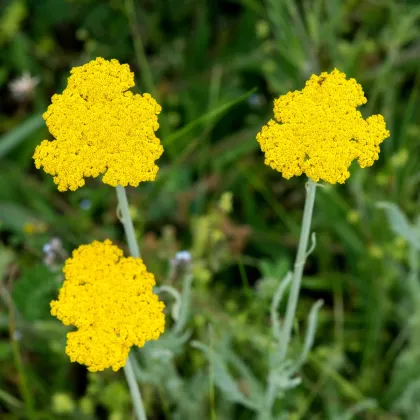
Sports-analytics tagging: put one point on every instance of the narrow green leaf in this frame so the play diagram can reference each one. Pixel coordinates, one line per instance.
(206, 118)
(12, 139)
(399, 223)
(9, 399)
(223, 378)
(15, 216)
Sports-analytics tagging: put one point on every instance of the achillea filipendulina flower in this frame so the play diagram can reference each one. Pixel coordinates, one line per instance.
(319, 132)
(100, 127)
(110, 300)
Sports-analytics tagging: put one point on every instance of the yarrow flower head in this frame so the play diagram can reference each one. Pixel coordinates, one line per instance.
(318, 131)
(109, 299)
(100, 127)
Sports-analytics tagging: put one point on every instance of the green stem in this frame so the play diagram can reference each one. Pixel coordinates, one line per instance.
(134, 390)
(142, 62)
(141, 58)
(127, 222)
(298, 268)
(135, 252)
(23, 385)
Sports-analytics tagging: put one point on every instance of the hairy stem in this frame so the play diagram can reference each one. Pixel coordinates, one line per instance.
(135, 252)
(127, 222)
(298, 268)
(134, 390)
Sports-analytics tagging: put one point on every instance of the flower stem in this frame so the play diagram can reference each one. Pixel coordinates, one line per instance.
(135, 252)
(298, 268)
(23, 384)
(127, 222)
(134, 390)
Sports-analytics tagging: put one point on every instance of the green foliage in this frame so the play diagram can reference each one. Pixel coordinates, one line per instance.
(20, 133)
(215, 67)
(33, 292)
(11, 20)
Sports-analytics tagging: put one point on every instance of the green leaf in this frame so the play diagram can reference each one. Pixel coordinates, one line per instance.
(15, 216)
(115, 396)
(206, 118)
(9, 400)
(6, 256)
(3, 75)
(11, 20)
(245, 371)
(223, 378)
(5, 350)
(33, 292)
(12, 139)
(399, 223)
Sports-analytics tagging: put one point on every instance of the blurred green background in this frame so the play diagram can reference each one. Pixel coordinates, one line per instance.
(215, 66)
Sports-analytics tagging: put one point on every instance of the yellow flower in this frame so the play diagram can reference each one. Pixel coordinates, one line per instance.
(100, 127)
(29, 228)
(319, 132)
(33, 228)
(110, 300)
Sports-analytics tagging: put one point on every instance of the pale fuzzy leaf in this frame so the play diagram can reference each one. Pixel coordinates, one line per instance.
(400, 224)
(223, 378)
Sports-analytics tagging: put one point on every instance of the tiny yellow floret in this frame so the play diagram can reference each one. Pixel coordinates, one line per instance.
(100, 127)
(318, 130)
(110, 300)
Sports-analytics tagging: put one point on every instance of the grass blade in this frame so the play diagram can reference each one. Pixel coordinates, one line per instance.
(12, 139)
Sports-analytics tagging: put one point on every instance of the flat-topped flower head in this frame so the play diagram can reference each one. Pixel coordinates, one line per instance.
(110, 300)
(318, 130)
(100, 128)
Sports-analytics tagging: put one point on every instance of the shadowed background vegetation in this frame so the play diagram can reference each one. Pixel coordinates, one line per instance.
(215, 67)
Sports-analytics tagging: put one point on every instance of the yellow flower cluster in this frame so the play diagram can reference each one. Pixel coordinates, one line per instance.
(100, 127)
(319, 132)
(110, 300)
